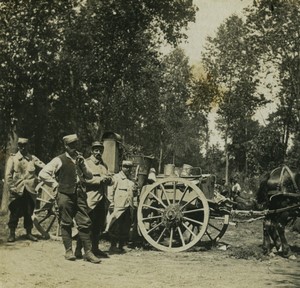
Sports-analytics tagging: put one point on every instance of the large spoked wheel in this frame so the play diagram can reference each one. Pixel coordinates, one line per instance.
(45, 216)
(216, 228)
(173, 214)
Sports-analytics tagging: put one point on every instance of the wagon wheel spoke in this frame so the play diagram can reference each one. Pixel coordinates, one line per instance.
(165, 193)
(171, 238)
(161, 234)
(211, 225)
(181, 236)
(183, 194)
(187, 203)
(209, 236)
(187, 228)
(194, 210)
(154, 208)
(193, 220)
(174, 192)
(151, 217)
(159, 200)
(155, 227)
(216, 228)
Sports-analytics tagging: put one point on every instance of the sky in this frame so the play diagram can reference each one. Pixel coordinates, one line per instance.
(211, 14)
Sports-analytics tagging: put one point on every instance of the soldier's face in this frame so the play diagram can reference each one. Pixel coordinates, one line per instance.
(97, 152)
(72, 147)
(126, 170)
(23, 148)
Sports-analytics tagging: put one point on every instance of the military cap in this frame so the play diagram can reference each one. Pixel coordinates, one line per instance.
(70, 138)
(127, 163)
(97, 144)
(22, 141)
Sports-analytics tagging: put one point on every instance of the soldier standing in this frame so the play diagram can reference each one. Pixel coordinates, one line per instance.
(21, 179)
(120, 196)
(66, 173)
(96, 189)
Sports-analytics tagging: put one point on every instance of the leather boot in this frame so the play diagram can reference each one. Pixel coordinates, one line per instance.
(66, 234)
(90, 257)
(95, 248)
(78, 253)
(12, 235)
(85, 237)
(29, 236)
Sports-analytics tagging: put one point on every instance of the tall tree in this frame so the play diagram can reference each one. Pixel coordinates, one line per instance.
(232, 66)
(274, 32)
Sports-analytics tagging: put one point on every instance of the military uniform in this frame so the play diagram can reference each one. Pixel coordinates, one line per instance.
(97, 202)
(21, 179)
(66, 174)
(120, 196)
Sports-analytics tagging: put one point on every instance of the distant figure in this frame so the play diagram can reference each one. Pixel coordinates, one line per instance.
(66, 173)
(235, 189)
(120, 196)
(21, 179)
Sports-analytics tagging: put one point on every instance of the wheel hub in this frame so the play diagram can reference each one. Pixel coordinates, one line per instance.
(172, 216)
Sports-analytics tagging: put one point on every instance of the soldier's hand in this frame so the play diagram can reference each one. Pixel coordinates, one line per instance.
(106, 180)
(80, 160)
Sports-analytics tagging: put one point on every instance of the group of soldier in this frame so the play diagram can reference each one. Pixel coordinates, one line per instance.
(84, 191)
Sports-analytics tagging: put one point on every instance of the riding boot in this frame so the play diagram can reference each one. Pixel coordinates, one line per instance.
(29, 236)
(66, 234)
(12, 235)
(78, 253)
(87, 246)
(95, 248)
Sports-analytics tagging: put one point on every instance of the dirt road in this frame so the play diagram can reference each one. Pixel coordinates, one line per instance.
(236, 262)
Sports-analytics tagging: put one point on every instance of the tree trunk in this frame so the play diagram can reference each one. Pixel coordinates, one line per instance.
(160, 158)
(12, 143)
(226, 158)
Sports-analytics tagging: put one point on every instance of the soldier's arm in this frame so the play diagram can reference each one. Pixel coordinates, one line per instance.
(111, 192)
(38, 162)
(9, 173)
(47, 174)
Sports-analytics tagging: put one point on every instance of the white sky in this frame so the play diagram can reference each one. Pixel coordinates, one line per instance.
(209, 17)
(211, 14)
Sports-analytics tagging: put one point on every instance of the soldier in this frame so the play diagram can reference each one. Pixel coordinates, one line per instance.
(65, 173)
(21, 179)
(120, 196)
(96, 189)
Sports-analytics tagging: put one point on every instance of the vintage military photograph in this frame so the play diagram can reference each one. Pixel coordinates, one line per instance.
(150, 143)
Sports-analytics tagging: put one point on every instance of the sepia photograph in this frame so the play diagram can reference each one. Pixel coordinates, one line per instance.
(150, 143)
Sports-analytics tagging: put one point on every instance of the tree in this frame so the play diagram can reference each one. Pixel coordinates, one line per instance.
(232, 66)
(274, 33)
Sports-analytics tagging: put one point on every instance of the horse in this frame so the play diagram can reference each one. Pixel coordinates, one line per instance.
(278, 190)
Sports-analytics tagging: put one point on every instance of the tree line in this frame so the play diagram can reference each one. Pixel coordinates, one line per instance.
(94, 66)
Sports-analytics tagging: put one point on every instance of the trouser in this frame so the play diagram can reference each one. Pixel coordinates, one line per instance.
(21, 207)
(98, 218)
(73, 206)
(119, 230)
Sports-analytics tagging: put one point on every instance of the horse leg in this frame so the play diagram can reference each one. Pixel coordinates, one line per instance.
(274, 234)
(280, 226)
(266, 236)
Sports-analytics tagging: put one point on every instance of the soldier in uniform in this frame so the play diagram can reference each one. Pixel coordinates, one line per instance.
(96, 189)
(21, 179)
(120, 195)
(66, 173)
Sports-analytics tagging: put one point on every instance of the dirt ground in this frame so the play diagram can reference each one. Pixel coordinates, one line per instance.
(237, 261)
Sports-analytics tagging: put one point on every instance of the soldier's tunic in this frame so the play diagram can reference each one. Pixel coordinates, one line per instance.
(21, 179)
(120, 196)
(97, 193)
